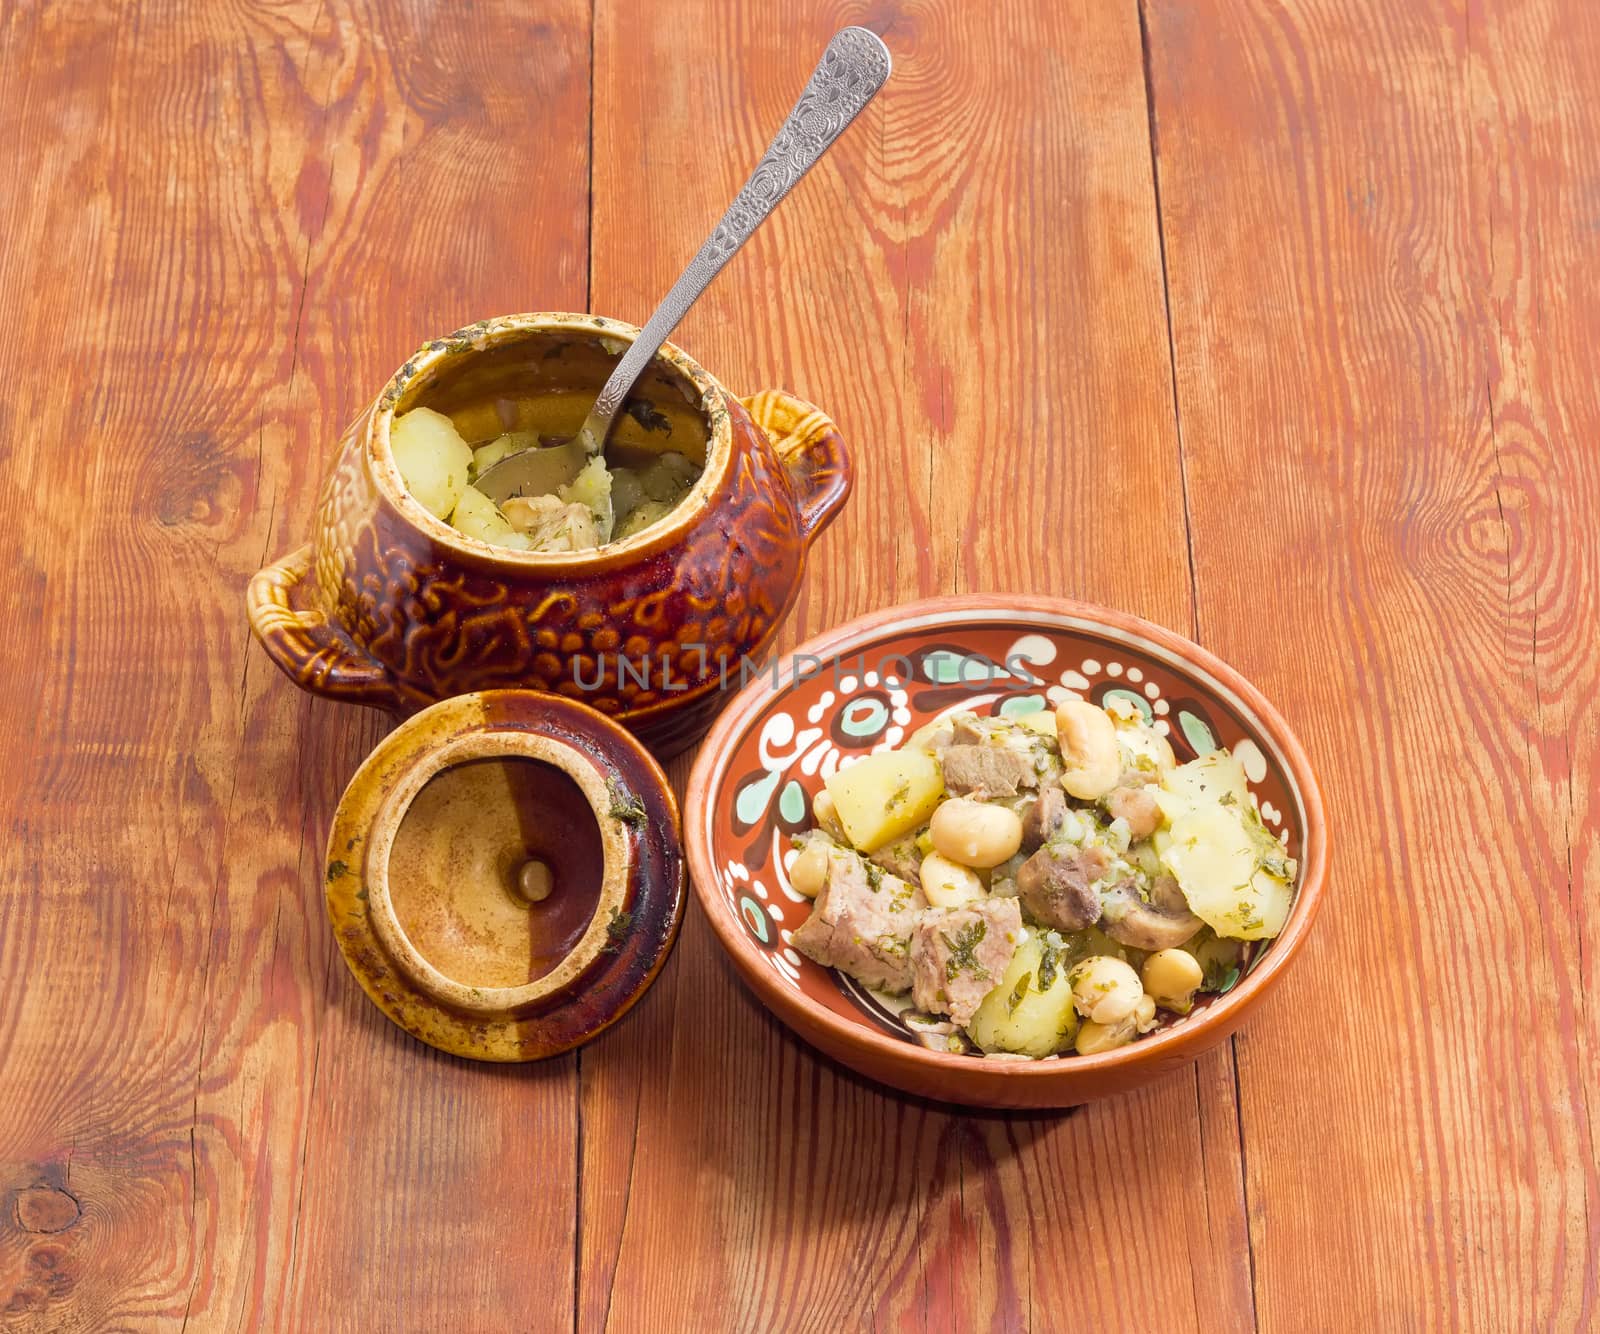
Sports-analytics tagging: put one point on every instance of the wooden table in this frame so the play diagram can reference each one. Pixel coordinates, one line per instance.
(1275, 322)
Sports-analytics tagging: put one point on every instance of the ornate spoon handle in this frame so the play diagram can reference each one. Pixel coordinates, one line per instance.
(851, 71)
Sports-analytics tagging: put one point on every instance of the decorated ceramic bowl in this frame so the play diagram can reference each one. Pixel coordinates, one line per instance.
(389, 605)
(867, 686)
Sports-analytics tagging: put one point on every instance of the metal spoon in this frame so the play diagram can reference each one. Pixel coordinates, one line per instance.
(851, 71)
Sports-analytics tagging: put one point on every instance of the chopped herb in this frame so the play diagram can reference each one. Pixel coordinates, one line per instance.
(1049, 962)
(874, 876)
(1226, 799)
(647, 415)
(963, 951)
(897, 796)
(335, 870)
(630, 810)
(1219, 977)
(617, 929)
(1018, 992)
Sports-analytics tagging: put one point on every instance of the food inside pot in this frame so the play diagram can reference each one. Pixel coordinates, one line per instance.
(608, 498)
(1041, 885)
(527, 399)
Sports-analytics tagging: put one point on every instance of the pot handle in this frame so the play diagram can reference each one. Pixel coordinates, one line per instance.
(811, 448)
(310, 651)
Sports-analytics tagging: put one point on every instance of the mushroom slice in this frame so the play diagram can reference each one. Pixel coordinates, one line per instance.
(1161, 922)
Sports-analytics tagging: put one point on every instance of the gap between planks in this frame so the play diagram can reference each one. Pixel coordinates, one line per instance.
(577, 1055)
(1140, 7)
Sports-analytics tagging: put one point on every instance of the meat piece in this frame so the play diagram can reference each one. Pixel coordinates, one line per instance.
(902, 858)
(986, 770)
(861, 923)
(967, 729)
(1056, 885)
(1132, 801)
(959, 955)
(1042, 819)
(551, 523)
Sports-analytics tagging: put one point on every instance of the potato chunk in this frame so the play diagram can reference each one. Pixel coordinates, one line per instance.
(476, 516)
(486, 456)
(1031, 1011)
(1203, 782)
(592, 488)
(882, 796)
(432, 457)
(1220, 857)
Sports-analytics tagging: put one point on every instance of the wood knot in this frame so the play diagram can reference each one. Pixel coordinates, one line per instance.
(46, 1209)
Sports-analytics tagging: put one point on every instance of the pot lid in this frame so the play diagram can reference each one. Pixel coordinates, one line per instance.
(504, 874)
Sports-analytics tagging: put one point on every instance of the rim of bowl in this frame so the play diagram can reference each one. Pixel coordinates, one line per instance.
(412, 380)
(705, 782)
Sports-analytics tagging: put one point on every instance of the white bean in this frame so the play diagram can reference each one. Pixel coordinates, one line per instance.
(974, 833)
(1144, 1014)
(808, 872)
(1171, 977)
(1105, 989)
(1094, 1038)
(1088, 740)
(948, 884)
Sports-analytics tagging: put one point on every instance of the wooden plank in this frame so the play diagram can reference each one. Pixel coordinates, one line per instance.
(424, 1166)
(971, 284)
(228, 226)
(1380, 227)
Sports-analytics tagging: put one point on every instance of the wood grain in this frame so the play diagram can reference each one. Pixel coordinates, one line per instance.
(237, 222)
(1271, 322)
(1377, 255)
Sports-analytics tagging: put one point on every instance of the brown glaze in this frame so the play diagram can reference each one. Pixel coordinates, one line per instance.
(390, 606)
(456, 857)
(422, 862)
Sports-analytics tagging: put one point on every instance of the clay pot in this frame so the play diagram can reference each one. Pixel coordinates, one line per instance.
(388, 605)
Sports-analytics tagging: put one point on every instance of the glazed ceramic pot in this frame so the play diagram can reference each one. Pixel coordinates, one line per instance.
(388, 605)
(426, 884)
(867, 686)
